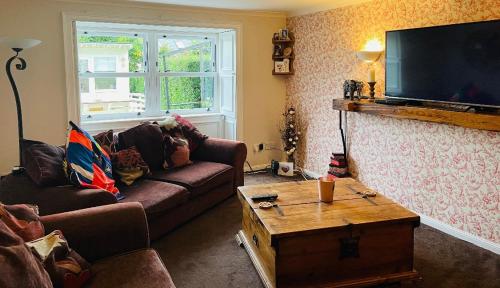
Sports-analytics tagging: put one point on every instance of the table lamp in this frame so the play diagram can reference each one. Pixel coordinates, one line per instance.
(17, 45)
(370, 54)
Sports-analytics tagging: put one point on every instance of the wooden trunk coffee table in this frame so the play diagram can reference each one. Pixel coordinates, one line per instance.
(351, 242)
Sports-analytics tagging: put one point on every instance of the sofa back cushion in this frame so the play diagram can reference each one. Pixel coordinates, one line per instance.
(148, 140)
(44, 163)
(19, 267)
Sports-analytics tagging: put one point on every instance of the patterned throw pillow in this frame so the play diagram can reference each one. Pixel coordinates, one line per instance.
(23, 220)
(107, 141)
(176, 152)
(129, 165)
(88, 164)
(66, 268)
(176, 126)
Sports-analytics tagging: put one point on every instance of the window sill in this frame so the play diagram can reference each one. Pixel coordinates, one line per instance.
(97, 126)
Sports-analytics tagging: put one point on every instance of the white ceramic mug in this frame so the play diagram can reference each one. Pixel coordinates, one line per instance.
(325, 189)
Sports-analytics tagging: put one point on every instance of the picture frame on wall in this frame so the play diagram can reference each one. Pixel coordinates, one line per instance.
(282, 66)
(277, 51)
(279, 67)
(284, 34)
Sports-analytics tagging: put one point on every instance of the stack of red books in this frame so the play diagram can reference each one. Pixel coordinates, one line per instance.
(338, 165)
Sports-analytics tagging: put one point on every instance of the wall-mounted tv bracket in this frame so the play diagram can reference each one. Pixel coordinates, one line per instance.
(343, 135)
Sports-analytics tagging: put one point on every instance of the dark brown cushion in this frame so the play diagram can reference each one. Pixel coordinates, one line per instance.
(149, 141)
(155, 196)
(23, 220)
(198, 177)
(44, 163)
(18, 266)
(140, 268)
(177, 126)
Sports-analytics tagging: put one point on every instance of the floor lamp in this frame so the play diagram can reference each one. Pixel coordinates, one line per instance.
(17, 45)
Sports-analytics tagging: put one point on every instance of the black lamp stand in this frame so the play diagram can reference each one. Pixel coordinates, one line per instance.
(19, 66)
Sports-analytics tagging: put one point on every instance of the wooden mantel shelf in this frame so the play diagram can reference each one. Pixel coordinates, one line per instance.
(480, 121)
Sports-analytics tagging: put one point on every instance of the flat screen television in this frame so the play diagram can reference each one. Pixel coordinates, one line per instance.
(453, 64)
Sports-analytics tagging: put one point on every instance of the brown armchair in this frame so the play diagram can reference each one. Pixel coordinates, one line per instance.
(115, 239)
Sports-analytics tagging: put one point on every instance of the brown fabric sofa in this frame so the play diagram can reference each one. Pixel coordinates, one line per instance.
(169, 198)
(115, 240)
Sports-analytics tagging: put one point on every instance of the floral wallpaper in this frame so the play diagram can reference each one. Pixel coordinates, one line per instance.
(448, 173)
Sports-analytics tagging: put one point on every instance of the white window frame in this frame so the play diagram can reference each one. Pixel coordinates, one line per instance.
(157, 17)
(214, 38)
(151, 74)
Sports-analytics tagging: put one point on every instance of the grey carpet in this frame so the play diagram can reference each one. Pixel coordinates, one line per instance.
(203, 253)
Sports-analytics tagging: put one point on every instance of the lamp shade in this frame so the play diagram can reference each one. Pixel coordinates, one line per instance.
(369, 56)
(19, 43)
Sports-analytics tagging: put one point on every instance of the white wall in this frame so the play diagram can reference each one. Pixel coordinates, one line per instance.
(43, 84)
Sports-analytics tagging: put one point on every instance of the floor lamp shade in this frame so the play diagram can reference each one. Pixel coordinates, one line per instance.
(17, 45)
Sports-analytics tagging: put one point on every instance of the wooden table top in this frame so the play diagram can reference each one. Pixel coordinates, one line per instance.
(304, 213)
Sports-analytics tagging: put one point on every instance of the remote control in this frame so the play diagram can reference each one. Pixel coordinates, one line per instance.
(265, 197)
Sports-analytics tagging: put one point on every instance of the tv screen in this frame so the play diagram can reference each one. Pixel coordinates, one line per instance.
(455, 63)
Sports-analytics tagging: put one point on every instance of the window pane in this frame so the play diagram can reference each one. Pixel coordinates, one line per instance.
(186, 93)
(111, 53)
(105, 84)
(83, 65)
(104, 64)
(127, 96)
(84, 85)
(188, 54)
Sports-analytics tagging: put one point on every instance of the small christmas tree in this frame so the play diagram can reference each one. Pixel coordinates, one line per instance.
(290, 134)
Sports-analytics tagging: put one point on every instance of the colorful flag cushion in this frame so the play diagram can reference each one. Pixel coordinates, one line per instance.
(66, 268)
(88, 164)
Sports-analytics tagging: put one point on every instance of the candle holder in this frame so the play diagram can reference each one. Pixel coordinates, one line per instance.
(372, 89)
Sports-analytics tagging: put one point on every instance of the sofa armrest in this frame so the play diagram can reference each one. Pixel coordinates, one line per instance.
(102, 231)
(19, 189)
(224, 151)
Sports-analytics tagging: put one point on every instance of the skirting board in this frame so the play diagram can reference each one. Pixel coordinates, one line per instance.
(445, 228)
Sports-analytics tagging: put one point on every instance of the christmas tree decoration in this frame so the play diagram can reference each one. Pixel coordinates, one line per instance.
(290, 134)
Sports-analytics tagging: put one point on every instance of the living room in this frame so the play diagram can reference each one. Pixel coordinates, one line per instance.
(210, 101)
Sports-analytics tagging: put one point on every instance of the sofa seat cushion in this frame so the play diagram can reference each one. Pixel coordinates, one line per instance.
(198, 177)
(140, 268)
(155, 196)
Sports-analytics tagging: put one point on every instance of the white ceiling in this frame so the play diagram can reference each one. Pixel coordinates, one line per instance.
(291, 7)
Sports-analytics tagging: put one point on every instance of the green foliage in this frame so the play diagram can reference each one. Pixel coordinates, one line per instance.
(186, 92)
(183, 92)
